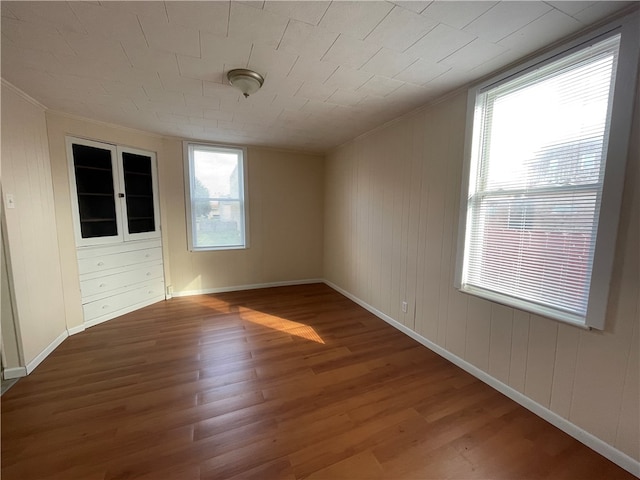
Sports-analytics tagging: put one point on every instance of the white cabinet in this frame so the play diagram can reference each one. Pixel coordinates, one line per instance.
(117, 279)
(116, 219)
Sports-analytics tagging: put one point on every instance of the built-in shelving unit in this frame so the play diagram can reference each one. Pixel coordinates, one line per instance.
(116, 213)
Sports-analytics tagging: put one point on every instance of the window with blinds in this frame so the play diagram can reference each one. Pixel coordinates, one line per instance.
(537, 166)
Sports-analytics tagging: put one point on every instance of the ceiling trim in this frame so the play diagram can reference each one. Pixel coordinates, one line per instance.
(80, 118)
(24, 95)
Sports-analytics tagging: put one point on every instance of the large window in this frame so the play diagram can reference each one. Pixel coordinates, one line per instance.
(215, 197)
(545, 170)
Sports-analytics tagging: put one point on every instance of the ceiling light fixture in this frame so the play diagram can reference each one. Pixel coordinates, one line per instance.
(247, 81)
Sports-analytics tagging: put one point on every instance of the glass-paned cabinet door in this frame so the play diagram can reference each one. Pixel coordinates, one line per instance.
(94, 184)
(114, 192)
(138, 176)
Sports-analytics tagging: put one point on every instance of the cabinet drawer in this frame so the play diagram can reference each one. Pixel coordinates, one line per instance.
(108, 283)
(93, 252)
(105, 262)
(114, 303)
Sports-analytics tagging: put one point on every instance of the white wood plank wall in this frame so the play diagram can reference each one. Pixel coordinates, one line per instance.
(391, 218)
(31, 236)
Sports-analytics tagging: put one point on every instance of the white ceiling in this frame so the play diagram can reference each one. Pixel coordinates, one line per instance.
(333, 70)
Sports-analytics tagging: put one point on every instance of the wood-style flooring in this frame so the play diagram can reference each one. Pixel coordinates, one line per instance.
(280, 383)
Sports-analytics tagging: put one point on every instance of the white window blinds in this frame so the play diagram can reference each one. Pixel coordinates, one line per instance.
(536, 176)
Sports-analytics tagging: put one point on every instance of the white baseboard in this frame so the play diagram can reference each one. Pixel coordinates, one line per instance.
(254, 286)
(46, 352)
(76, 329)
(606, 450)
(15, 372)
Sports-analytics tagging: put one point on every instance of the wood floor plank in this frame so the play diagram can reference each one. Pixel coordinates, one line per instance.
(279, 383)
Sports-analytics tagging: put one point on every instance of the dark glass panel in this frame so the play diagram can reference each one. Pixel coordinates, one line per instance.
(139, 190)
(94, 181)
(141, 225)
(85, 156)
(94, 185)
(98, 228)
(94, 207)
(139, 207)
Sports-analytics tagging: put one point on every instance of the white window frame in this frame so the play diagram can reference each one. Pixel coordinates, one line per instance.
(616, 148)
(189, 179)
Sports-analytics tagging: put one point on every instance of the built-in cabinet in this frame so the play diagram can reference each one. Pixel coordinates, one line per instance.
(115, 192)
(117, 229)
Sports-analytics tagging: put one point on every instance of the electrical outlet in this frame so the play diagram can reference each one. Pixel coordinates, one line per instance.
(404, 306)
(11, 201)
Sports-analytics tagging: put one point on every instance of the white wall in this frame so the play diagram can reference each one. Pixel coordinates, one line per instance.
(391, 216)
(31, 236)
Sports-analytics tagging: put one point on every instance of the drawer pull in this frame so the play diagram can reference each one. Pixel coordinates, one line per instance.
(148, 274)
(102, 285)
(150, 292)
(147, 255)
(105, 306)
(100, 264)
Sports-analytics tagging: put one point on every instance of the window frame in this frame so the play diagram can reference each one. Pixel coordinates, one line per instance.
(188, 147)
(617, 151)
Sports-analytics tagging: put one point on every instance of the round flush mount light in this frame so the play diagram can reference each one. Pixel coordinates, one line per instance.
(247, 81)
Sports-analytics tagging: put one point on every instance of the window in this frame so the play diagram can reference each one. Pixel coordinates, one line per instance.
(545, 157)
(215, 185)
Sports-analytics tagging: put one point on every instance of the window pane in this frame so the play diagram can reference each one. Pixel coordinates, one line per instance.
(219, 223)
(216, 174)
(535, 247)
(550, 132)
(217, 203)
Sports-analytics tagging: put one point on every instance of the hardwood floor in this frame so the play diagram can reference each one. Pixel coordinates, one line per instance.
(280, 383)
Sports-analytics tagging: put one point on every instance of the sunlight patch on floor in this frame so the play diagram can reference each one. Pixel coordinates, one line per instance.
(280, 324)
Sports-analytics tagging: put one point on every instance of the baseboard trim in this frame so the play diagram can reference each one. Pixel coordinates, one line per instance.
(15, 372)
(31, 366)
(254, 286)
(76, 329)
(606, 450)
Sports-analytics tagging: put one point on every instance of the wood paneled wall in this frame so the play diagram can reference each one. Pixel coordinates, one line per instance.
(31, 236)
(391, 217)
